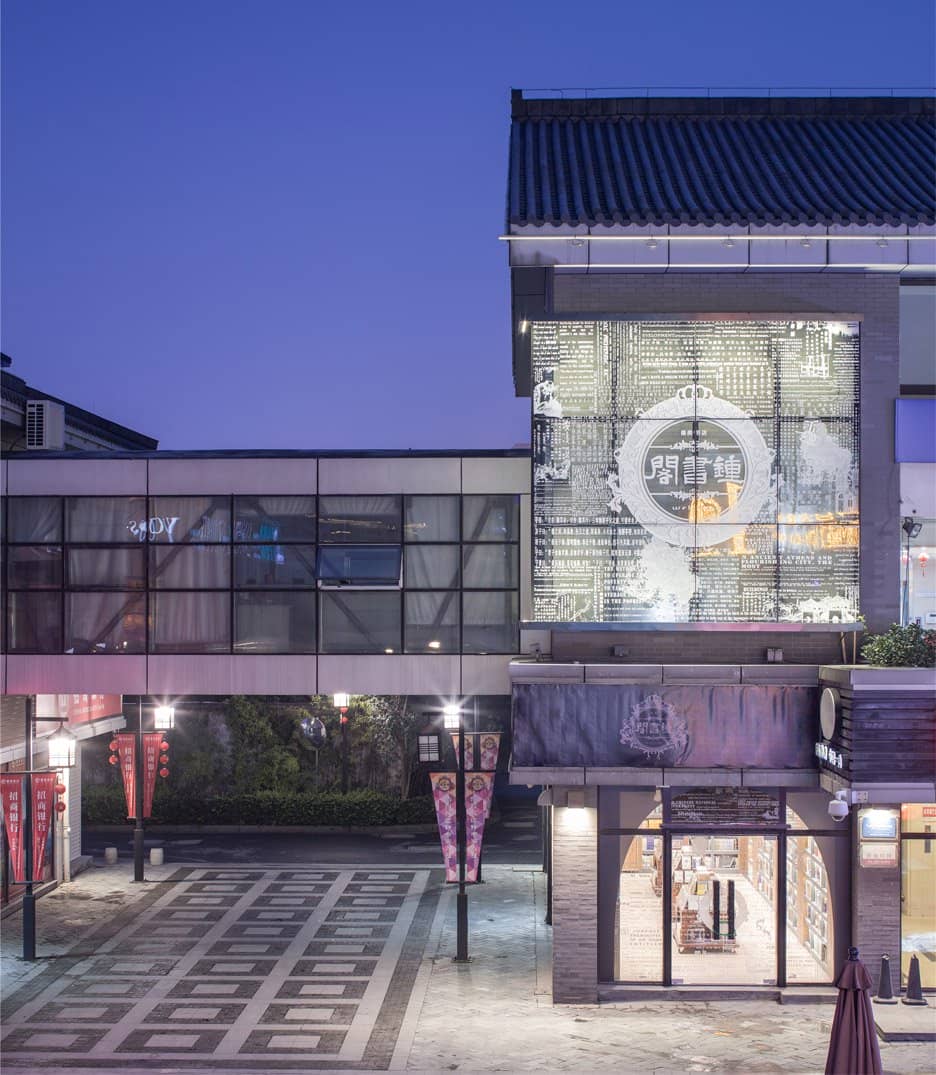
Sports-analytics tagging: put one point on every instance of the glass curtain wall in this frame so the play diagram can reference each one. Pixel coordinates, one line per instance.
(262, 574)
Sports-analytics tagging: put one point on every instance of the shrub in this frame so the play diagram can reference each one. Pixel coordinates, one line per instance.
(901, 647)
(106, 806)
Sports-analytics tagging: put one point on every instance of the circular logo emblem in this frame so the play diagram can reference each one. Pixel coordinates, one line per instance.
(693, 458)
(656, 729)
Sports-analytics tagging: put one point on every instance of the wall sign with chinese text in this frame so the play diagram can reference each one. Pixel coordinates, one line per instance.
(695, 471)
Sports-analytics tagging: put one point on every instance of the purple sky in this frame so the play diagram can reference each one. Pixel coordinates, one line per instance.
(274, 223)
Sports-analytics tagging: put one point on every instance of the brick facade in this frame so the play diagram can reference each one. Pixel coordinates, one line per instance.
(575, 900)
(875, 923)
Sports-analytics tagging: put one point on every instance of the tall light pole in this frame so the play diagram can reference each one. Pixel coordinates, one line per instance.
(342, 701)
(163, 721)
(452, 715)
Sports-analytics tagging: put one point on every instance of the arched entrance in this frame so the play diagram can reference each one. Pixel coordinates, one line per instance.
(724, 887)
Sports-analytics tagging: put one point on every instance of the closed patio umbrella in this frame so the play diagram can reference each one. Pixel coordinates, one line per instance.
(853, 1047)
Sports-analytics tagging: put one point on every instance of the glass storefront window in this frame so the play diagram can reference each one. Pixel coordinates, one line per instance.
(431, 623)
(918, 574)
(190, 622)
(360, 621)
(431, 518)
(918, 891)
(490, 622)
(274, 566)
(364, 519)
(274, 518)
(99, 519)
(109, 567)
(638, 931)
(486, 567)
(34, 567)
(36, 519)
(431, 567)
(274, 622)
(190, 567)
(175, 520)
(35, 623)
(491, 518)
(105, 623)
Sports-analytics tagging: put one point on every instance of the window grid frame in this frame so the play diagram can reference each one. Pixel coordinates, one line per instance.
(149, 590)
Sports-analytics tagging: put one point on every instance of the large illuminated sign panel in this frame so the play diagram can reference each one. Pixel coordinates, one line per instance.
(695, 471)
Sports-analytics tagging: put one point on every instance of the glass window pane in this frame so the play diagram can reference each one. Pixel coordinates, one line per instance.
(918, 817)
(190, 567)
(34, 567)
(105, 623)
(34, 518)
(274, 565)
(431, 623)
(35, 623)
(918, 909)
(489, 622)
(431, 567)
(190, 623)
(359, 565)
(274, 622)
(490, 566)
(431, 518)
(372, 519)
(638, 936)
(177, 519)
(491, 518)
(110, 567)
(810, 946)
(360, 622)
(274, 518)
(106, 518)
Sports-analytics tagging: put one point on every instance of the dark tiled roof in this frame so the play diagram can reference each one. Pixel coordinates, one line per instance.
(728, 161)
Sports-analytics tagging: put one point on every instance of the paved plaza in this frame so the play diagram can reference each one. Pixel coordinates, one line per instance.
(336, 968)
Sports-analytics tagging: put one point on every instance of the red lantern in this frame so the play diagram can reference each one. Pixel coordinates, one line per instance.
(61, 808)
(164, 759)
(113, 759)
(112, 745)
(164, 773)
(59, 789)
(164, 746)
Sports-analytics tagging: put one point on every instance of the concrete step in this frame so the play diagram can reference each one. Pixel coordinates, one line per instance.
(628, 994)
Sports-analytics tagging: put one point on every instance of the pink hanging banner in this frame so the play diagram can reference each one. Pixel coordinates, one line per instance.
(469, 750)
(490, 748)
(151, 741)
(126, 751)
(443, 796)
(11, 798)
(43, 803)
(478, 790)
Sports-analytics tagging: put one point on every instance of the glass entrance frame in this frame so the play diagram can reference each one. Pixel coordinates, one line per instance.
(782, 893)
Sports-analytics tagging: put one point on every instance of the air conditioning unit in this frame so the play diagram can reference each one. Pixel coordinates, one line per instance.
(45, 425)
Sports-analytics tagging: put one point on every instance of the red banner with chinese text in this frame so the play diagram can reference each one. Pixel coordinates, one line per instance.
(151, 741)
(78, 708)
(43, 809)
(126, 751)
(11, 798)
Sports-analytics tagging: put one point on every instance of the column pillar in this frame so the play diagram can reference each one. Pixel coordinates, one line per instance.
(575, 895)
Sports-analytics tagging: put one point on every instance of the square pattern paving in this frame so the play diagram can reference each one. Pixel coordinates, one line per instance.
(304, 968)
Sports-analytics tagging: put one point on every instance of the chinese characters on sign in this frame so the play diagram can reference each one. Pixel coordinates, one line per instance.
(695, 471)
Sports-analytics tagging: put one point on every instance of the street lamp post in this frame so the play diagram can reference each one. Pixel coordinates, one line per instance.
(163, 721)
(342, 701)
(453, 722)
(61, 746)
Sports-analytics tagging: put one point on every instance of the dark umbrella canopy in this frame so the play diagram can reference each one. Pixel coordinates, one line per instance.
(853, 1048)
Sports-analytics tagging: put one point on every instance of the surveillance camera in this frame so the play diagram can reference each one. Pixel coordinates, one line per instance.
(838, 807)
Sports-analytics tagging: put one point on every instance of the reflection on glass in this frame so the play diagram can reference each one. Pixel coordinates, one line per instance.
(490, 622)
(106, 518)
(274, 518)
(274, 622)
(918, 906)
(34, 567)
(274, 565)
(359, 565)
(724, 910)
(489, 566)
(34, 518)
(638, 937)
(359, 519)
(105, 623)
(491, 518)
(431, 518)
(178, 519)
(431, 567)
(810, 942)
(360, 621)
(431, 623)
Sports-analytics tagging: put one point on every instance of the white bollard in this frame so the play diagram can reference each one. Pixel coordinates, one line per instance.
(156, 856)
(110, 855)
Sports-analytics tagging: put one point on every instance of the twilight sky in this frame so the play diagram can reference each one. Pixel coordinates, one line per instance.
(273, 223)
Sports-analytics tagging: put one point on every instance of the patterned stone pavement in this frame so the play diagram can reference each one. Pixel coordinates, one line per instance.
(267, 969)
(276, 968)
